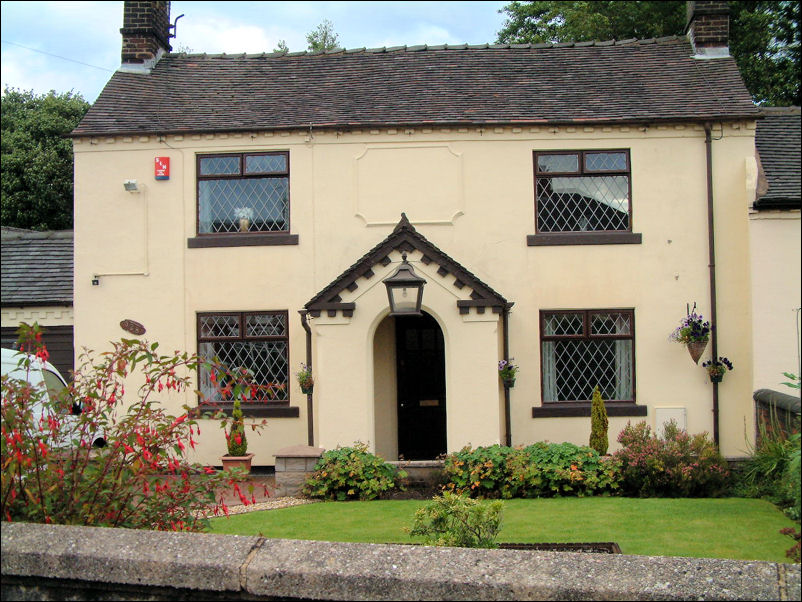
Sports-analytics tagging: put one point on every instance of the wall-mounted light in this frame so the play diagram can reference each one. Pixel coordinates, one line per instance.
(404, 290)
(130, 186)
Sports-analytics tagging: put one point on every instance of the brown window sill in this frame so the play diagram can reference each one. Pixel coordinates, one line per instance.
(253, 410)
(242, 240)
(582, 409)
(548, 239)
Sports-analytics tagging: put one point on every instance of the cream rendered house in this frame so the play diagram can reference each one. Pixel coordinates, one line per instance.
(560, 202)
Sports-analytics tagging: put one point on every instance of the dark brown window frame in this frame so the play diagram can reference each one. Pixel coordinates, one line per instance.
(593, 237)
(240, 239)
(265, 408)
(582, 407)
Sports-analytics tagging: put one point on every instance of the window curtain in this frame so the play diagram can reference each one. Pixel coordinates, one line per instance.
(623, 361)
(549, 371)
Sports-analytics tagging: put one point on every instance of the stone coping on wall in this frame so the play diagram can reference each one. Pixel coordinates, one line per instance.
(132, 563)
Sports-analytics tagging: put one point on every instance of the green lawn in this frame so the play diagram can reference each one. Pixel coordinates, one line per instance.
(737, 528)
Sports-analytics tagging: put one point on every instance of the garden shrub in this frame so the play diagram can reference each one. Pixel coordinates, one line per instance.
(140, 479)
(598, 424)
(675, 465)
(539, 470)
(458, 521)
(351, 473)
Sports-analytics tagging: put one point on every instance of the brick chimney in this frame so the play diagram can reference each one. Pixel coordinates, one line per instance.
(146, 34)
(708, 28)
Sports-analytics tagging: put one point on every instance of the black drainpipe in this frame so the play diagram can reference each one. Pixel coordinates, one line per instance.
(506, 338)
(712, 256)
(310, 434)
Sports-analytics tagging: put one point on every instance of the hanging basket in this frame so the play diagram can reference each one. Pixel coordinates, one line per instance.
(307, 389)
(696, 349)
(509, 383)
(716, 378)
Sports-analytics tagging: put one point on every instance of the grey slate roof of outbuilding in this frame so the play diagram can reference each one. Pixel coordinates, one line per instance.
(633, 81)
(778, 143)
(36, 267)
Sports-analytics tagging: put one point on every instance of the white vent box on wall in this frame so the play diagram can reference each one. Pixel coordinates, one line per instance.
(664, 415)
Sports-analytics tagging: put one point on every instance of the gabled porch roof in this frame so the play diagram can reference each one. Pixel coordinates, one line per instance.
(405, 237)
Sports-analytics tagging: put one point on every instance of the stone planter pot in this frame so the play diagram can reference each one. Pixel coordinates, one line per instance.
(230, 462)
(244, 224)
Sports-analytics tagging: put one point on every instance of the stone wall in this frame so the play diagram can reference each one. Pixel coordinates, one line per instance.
(42, 562)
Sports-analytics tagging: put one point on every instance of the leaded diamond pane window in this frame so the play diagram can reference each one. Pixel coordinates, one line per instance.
(263, 350)
(233, 200)
(583, 350)
(583, 192)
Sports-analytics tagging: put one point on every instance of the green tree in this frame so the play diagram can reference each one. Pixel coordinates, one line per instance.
(764, 36)
(281, 47)
(37, 158)
(323, 37)
(598, 424)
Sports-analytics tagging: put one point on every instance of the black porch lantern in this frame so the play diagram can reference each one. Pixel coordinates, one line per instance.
(404, 290)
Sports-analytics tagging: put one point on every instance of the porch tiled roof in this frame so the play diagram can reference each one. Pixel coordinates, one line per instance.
(405, 237)
(778, 143)
(36, 267)
(595, 82)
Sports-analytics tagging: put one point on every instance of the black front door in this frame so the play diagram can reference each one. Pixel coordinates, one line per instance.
(421, 388)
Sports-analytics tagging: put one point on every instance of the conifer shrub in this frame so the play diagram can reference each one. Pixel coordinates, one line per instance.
(352, 473)
(458, 521)
(598, 424)
(236, 439)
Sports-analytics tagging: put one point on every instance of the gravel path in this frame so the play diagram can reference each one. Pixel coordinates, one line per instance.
(271, 504)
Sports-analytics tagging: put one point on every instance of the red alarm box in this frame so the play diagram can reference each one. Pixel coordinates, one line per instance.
(162, 168)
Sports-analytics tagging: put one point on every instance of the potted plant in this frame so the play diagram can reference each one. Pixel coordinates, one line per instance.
(694, 333)
(507, 371)
(716, 368)
(305, 379)
(237, 442)
(244, 215)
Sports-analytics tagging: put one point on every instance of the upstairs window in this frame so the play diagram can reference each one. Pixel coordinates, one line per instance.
(583, 349)
(244, 193)
(582, 191)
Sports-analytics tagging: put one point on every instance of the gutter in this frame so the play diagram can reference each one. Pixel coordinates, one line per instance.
(711, 245)
(310, 432)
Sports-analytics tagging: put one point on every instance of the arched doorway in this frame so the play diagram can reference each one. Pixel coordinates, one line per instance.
(421, 387)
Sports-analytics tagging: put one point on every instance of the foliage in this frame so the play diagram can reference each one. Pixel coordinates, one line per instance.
(795, 380)
(281, 47)
(717, 367)
(539, 470)
(458, 521)
(323, 37)
(37, 174)
(674, 465)
(507, 370)
(140, 479)
(305, 379)
(693, 329)
(598, 424)
(349, 473)
(764, 35)
(236, 440)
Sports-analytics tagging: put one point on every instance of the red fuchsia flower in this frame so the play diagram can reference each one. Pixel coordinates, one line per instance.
(146, 454)
(180, 445)
(128, 448)
(43, 449)
(179, 420)
(145, 488)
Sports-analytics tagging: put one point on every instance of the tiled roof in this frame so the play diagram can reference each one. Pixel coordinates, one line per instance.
(36, 267)
(595, 82)
(778, 143)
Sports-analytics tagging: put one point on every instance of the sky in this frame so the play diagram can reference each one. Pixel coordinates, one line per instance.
(75, 46)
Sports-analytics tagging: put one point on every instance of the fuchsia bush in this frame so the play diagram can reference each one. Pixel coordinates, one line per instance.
(675, 465)
(141, 478)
